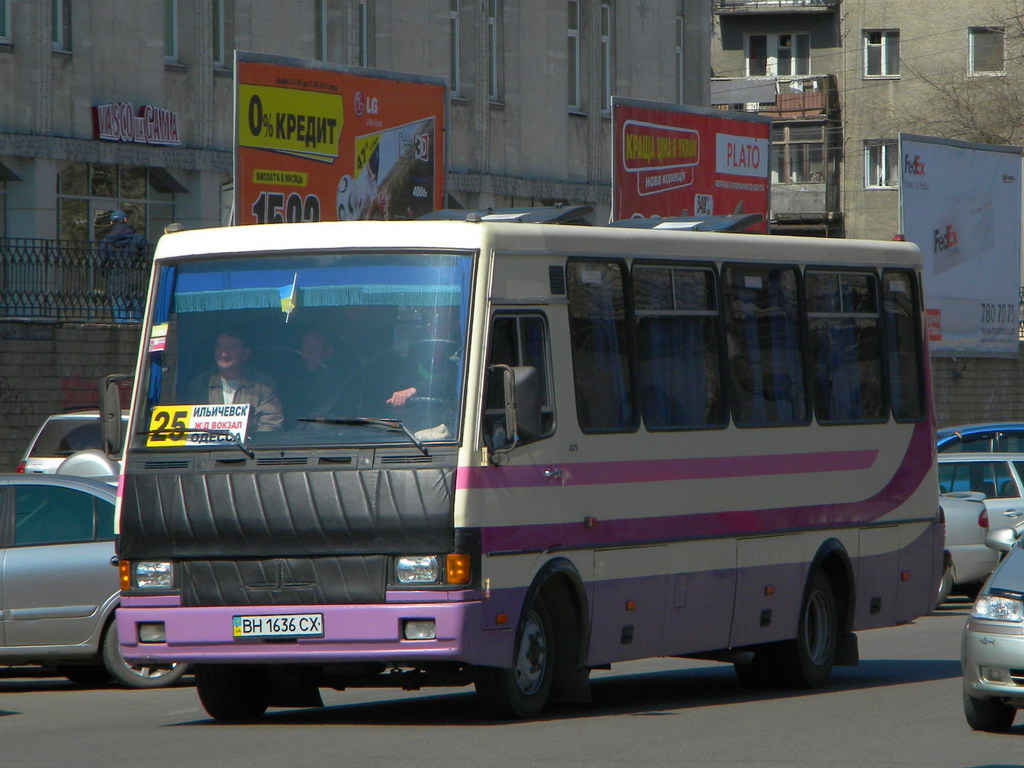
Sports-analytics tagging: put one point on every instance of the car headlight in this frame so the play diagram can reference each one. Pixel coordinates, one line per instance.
(996, 608)
(417, 569)
(154, 574)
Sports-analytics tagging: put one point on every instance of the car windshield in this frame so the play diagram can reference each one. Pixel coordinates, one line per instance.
(306, 349)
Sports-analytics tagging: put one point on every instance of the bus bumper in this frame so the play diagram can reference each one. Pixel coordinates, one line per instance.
(375, 632)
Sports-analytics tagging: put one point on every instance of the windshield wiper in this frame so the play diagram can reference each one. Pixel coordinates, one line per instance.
(373, 421)
(235, 439)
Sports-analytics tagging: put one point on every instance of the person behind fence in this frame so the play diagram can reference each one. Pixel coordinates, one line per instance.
(233, 381)
(123, 256)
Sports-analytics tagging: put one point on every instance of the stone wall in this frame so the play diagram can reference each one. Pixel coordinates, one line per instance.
(51, 367)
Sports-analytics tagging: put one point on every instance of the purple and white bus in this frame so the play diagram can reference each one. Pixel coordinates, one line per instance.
(502, 454)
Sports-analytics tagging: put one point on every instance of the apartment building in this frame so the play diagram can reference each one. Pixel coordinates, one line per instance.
(529, 90)
(843, 78)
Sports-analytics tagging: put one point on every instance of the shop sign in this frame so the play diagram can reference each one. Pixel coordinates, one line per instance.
(147, 125)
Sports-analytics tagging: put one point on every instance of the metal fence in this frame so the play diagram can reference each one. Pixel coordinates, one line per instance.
(74, 281)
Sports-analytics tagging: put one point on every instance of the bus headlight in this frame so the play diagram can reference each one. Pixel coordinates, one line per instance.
(996, 608)
(417, 569)
(154, 574)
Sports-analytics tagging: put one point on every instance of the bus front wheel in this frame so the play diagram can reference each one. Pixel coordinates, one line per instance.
(522, 691)
(233, 691)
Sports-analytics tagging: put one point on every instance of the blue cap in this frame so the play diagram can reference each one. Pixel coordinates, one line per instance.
(118, 216)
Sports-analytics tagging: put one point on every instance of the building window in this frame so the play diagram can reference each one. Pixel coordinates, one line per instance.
(493, 49)
(171, 31)
(320, 30)
(363, 30)
(987, 51)
(88, 192)
(780, 55)
(607, 50)
(455, 32)
(680, 67)
(798, 154)
(574, 54)
(882, 53)
(5, 21)
(218, 33)
(880, 164)
(61, 25)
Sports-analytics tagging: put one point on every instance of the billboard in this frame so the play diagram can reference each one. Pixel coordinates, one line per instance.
(960, 202)
(670, 160)
(316, 142)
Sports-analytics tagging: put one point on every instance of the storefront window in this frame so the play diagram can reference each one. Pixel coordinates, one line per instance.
(88, 192)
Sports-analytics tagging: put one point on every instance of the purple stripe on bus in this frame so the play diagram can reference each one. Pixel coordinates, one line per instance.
(662, 470)
(914, 467)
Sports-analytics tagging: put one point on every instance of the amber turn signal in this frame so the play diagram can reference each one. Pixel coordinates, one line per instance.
(457, 565)
(124, 570)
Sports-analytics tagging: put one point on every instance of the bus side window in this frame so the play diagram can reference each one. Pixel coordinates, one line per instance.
(903, 344)
(677, 338)
(846, 360)
(518, 340)
(766, 373)
(600, 337)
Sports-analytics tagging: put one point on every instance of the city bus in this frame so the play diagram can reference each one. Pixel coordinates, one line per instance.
(504, 454)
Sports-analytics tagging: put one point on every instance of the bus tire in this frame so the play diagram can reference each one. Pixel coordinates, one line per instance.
(522, 691)
(806, 661)
(233, 691)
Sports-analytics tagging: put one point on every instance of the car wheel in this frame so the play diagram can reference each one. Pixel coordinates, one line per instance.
(988, 714)
(233, 691)
(806, 662)
(131, 675)
(85, 674)
(522, 691)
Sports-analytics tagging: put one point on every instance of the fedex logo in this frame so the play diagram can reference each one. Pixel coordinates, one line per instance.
(913, 166)
(944, 240)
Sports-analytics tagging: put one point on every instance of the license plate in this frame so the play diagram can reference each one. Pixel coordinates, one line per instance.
(281, 625)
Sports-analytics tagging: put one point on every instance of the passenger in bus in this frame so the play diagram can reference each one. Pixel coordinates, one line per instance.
(317, 386)
(233, 381)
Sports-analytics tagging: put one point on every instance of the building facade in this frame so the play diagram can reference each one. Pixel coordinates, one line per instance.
(529, 88)
(843, 78)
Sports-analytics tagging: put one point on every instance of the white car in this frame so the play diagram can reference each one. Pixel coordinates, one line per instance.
(968, 561)
(997, 475)
(64, 435)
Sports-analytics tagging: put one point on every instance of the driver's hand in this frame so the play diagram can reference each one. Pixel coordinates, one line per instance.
(400, 397)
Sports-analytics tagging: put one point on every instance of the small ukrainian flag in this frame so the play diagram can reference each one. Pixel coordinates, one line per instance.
(289, 297)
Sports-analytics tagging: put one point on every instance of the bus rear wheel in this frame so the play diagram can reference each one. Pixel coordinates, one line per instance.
(522, 691)
(807, 660)
(233, 691)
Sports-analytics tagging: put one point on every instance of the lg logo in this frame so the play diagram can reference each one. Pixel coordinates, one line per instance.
(366, 104)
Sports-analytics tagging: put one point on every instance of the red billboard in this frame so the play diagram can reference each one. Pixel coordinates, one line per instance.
(315, 142)
(670, 160)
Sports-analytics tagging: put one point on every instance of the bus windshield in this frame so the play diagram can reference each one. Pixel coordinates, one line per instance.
(312, 349)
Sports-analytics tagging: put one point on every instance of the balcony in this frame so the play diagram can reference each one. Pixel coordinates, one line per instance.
(783, 98)
(735, 7)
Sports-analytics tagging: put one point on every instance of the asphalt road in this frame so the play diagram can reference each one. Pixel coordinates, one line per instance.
(900, 707)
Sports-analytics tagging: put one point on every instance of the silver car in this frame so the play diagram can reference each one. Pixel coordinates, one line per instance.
(1000, 476)
(992, 648)
(60, 583)
(968, 562)
(65, 435)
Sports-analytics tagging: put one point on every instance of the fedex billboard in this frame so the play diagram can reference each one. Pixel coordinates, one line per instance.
(960, 202)
(670, 160)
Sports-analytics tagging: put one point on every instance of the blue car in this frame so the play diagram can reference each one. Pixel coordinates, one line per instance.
(995, 437)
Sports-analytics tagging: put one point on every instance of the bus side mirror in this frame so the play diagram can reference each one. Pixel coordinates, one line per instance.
(521, 422)
(110, 412)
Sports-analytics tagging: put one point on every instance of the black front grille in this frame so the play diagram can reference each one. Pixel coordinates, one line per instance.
(284, 581)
